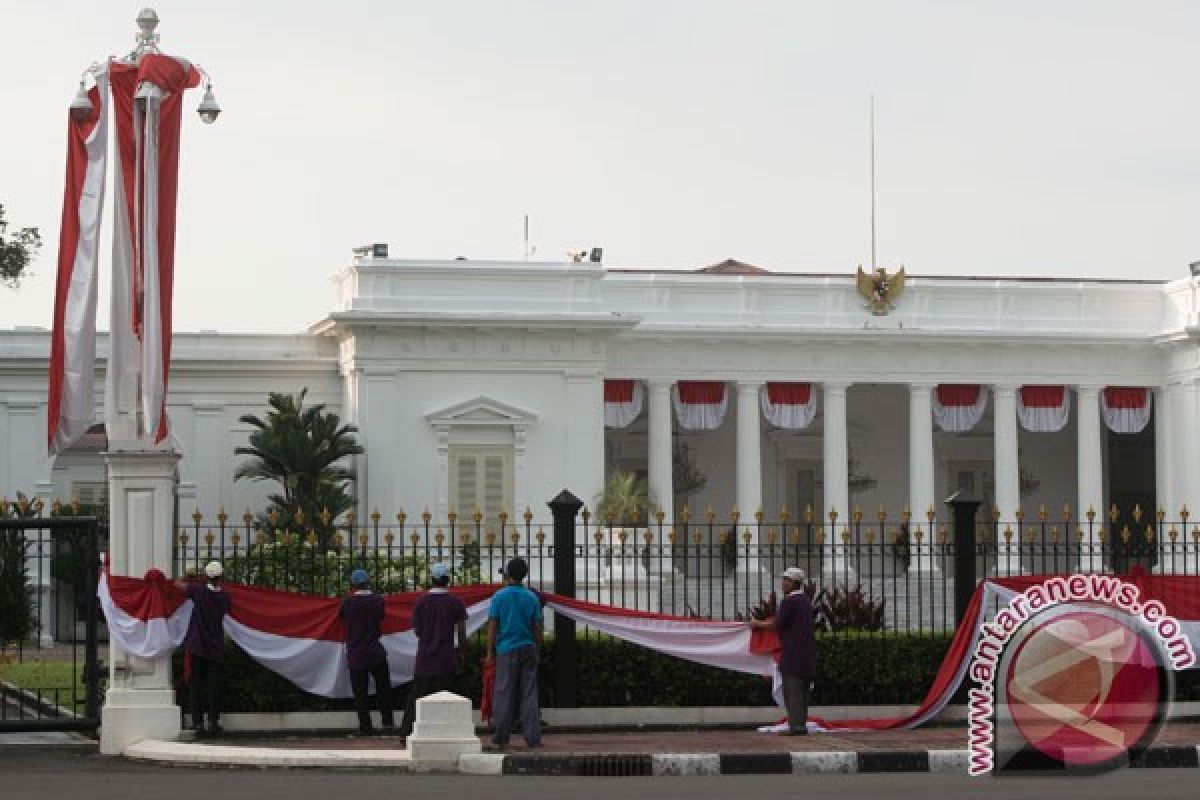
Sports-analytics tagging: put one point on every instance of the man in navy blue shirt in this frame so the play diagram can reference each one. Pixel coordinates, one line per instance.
(514, 633)
(437, 616)
(798, 660)
(204, 644)
(363, 614)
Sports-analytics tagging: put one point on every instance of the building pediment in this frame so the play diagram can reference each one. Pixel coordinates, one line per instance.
(481, 411)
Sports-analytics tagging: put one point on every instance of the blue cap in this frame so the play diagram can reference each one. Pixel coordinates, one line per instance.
(440, 570)
(359, 577)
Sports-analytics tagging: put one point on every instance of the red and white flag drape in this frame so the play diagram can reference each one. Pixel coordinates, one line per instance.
(700, 405)
(622, 402)
(1126, 409)
(72, 390)
(146, 98)
(958, 407)
(301, 637)
(148, 104)
(788, 405)
(1043, 409)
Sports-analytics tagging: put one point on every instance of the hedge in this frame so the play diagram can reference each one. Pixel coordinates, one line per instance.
(887, 669)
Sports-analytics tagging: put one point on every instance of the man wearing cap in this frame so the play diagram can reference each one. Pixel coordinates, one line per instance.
(204, 644)
(436, 617)
(363, 614)
(514, 633)
(798, 660)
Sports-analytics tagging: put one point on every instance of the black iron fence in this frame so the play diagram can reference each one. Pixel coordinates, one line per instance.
(50, 677)
(865, 574)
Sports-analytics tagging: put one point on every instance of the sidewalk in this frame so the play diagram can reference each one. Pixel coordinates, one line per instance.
(707, 752)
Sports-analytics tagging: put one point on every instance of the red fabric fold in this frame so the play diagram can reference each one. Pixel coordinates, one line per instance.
(793, 394)
(701, 392)
(1043, 396)
(618, 391)
(958, 394)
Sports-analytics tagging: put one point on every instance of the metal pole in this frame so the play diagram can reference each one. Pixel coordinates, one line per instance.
(564, 507)
(963, 506)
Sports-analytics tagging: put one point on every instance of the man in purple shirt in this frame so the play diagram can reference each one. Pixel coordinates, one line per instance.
(437, 616)
(363, 614)
(204, 644)
(798, 660)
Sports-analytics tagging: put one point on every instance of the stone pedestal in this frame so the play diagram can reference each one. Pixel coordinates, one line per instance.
(444, 730)
(140, 703)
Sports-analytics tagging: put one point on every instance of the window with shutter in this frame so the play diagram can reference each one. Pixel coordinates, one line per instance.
(481, 478)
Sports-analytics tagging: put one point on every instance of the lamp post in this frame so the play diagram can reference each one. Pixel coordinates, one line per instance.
(144, 90)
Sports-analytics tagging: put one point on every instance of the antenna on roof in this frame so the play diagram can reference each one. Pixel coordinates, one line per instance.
(873, 264)
(529, 249)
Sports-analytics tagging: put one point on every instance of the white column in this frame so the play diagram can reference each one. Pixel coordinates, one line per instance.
(749, 470)
(837, 479)
(1090, 467)
(1163, 490)
(920, 476)
(140, 703)
(1187, 492)
(584, 458)
(658, 449)
(1008, 477)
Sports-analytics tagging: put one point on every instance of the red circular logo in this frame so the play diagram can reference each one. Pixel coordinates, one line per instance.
(1083, 688)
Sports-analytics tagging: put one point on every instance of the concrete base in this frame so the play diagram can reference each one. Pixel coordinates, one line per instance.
(444, 730)
(134, 715)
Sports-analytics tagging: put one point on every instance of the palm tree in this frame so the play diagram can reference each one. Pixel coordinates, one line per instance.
(301, 449)
(626, 498)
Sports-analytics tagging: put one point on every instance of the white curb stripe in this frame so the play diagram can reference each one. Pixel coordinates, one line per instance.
(819, 762)
(686, 764)
(949, 760)
(481, 764)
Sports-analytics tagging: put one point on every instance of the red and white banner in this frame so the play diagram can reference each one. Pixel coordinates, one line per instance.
(622, 402)
(301, 637)
(788, 405)
(700, 405)
(958, 407)
(1043, 409)
(1126, 409)
(147, 99)
(72, 392)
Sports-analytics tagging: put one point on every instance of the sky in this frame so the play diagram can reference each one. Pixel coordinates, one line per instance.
(1017, 138)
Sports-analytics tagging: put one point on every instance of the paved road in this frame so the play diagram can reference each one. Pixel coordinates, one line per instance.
(57, 774)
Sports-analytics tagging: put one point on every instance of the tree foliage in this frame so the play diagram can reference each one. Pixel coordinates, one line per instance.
(302, 449)
(17, 251)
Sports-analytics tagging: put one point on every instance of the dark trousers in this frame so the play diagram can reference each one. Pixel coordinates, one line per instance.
(517, 685)
(422, 686)
(383, 691)
(795, 697)
(204, 681)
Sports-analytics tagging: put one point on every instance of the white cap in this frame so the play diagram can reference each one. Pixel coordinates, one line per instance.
(794, 574)
(213, 569)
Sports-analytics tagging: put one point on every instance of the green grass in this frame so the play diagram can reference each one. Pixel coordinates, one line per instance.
(51, 680)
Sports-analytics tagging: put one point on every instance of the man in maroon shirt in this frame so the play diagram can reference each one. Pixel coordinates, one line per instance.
(436, 618)
(798, 660)
(204, 644)
(363, 614)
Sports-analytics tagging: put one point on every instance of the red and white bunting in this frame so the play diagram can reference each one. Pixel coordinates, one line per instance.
(147, 98)
(958, 407)
(700, 405)
(1043, 409)
(1126, 409)
(72, 391)
(622, 402)
(788, 405)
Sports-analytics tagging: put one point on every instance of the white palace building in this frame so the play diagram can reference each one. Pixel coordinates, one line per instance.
(496, 384)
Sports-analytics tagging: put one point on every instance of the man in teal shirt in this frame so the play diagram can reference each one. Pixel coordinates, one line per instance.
(514, 633)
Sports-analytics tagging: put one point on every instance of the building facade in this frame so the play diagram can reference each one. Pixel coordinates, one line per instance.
(483, 385)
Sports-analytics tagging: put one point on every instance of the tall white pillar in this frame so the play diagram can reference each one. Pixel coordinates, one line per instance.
(837, 479)
(749, 470)
(920, 476)
(140, 703)
(1163, 489)
(1008, 478)
(658, 449)
(1187, 492)
(584, 466)
(1090, 467)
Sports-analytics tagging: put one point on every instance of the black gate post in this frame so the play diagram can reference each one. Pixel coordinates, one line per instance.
(91, 667)
(564, 507)
(963, 504)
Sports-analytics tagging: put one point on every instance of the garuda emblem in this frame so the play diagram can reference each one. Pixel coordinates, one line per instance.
(880, 289)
